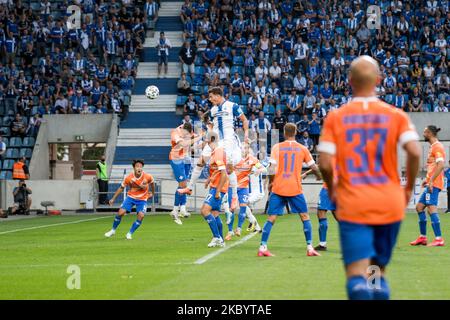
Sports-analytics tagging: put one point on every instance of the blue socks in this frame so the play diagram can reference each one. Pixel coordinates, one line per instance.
(135, 225)
(266, 232)
(212, 225)
(116, 222)
(436, 224)
(242, 215)
(323, 227)
(177, 198)
(230, 225)
(383, 293)
(307, 229)
(219, 226)
(357, 289)
(423, 223)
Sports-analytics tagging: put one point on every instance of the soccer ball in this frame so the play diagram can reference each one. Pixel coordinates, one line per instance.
(152, 92)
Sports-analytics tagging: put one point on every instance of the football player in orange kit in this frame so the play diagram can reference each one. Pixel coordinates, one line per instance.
(139, 182)
(363, 136)
(218, 186)
(433, 184)
(285, 185)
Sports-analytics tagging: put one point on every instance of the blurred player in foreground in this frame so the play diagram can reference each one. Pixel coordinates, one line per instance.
(285, 185)
(363, 136)
(139, 182)
(433, 184)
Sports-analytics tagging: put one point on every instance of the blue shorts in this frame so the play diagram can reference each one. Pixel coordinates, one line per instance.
(361, 241)
(325, 202)
(277, 203)
(242, 195)
(129, 203)
(430, 199)
(179, 170)
(211, 200)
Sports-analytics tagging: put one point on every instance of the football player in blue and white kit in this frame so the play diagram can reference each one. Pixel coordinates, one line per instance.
(223, 114)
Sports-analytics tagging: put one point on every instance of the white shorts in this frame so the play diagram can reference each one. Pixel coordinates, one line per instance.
(232, 149)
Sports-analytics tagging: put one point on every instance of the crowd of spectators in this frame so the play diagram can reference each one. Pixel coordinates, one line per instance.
(50, 65)
(288, 60)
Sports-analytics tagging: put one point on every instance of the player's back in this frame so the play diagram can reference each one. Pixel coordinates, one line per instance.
(178, 151)
(244, 169)
(217, 163)
(366, 134)
(288, 158)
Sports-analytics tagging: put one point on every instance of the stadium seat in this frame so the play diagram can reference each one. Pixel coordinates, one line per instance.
(244, 99)
(238, 60)
(8, 164)
(12, 153)
(15, 142)
(281, 107)
(25, 152)
(28, 142)
(235, 99)
(6, 121)
(181, 100)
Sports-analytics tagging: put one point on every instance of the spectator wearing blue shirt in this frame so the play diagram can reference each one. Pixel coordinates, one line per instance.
(77, 101)
(210, 54)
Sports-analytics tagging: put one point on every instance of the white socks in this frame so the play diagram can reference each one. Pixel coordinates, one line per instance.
(196, 172)
(251, 218)
(233, 183)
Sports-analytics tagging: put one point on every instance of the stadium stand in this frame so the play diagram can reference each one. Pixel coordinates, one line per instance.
(47, 67)
(295, 54)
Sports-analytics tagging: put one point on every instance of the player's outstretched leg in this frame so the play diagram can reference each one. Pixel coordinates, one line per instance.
(116, 222)
(135, 225)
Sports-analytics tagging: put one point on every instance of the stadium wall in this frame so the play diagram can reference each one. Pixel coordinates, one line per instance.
(67, 194)
(64, 129)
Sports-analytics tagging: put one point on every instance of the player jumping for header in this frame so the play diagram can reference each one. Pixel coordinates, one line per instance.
(223, 113)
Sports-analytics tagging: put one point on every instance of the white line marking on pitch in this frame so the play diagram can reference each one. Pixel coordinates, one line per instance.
(52, 225)
(216, 253)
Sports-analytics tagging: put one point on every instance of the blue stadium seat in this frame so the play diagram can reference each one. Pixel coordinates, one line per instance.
(6, 141)
(281, 107)
(244, 99)
(12, 153)
(15, 142)
(6, 121)
(181, 100)
(25, 152)
(198, 61)
(269, 109)
(28, 142)
(238, 60)
(235, 99)
(237, 69)
(8, 164)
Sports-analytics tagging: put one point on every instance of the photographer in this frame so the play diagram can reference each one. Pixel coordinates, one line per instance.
(22, 201)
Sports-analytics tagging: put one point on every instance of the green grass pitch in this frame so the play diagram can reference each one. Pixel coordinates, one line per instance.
(159, 262)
